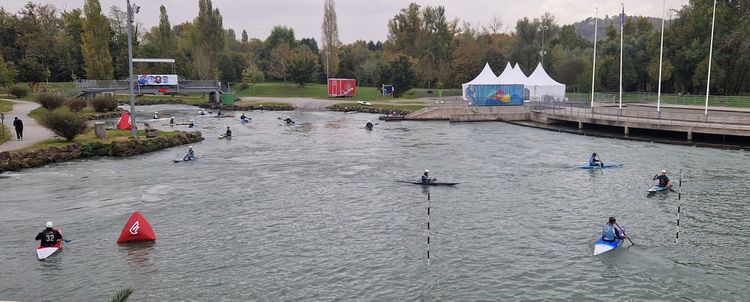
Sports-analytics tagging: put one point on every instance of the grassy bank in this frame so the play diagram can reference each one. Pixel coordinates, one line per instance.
(5, 106)
(90, 137)
(273, 89)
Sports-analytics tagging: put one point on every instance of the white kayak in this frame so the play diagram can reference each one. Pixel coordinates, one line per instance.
(44, 252)
(602, 246)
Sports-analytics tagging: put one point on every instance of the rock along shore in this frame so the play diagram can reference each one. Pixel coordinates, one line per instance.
(32, 158)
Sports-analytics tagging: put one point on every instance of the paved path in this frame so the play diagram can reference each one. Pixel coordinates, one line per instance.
(33, 133)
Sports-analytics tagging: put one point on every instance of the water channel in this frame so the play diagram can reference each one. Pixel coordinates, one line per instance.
(313, 212)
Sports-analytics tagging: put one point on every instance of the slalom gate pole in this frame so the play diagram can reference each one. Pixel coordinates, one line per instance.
(428, 226)
(679, 208)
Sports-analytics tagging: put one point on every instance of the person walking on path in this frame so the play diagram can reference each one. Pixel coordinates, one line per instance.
(18, 124)
(33, 132)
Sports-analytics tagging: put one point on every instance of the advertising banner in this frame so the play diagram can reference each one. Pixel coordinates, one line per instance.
(157, 79)
(495, 95)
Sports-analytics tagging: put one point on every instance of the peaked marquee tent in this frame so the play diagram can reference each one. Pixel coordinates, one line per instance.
(541, 85)
(486, 77)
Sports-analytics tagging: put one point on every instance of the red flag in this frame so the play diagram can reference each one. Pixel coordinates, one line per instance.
(124, 123)
(136, 229)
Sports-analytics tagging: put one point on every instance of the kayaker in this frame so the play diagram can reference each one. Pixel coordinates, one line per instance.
(288, 120)
(611, 232)
(156, 115)
(49, 236)
(426, 177)
(228, 134)
(191, 125)
(219, 113)
(243, 117)
(663, 179)
(202, 112)
(369, 125)
(171, 121)
(595, 161)
(190, 154)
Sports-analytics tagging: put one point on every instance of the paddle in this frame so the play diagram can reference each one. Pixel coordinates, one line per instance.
(65, 240)
(626, 235)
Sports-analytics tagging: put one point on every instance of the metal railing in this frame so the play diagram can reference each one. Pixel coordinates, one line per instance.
(666, 99)
(686, 118)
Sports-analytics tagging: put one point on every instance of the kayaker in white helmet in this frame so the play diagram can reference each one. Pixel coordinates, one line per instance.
(426, 177)
(156, 115)
(190, 154)
(288, 120)
(369, 125)
(49, 236)
(663, 179)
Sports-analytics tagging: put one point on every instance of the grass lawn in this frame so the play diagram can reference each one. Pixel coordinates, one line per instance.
(90, 136)
(5, 135)
(6, 106)
(274, 89)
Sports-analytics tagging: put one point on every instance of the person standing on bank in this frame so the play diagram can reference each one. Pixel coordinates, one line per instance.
(18, 124)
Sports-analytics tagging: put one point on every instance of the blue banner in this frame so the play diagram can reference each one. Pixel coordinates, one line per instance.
(495, 95)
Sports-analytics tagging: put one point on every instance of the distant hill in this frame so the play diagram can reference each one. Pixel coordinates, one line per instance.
(585, 28)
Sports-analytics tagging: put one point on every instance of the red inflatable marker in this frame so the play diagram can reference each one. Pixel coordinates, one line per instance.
(136, 229)
(124, 123)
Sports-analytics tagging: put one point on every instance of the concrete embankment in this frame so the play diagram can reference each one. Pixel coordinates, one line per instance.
(31, 158)
(472, 114)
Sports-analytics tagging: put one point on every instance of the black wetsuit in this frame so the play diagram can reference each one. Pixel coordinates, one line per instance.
(663, 180)
(228, 134)
(49, 237)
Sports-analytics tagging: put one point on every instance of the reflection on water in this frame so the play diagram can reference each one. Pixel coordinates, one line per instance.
(314, 211)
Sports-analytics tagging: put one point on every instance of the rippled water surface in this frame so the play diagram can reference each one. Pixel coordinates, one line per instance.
(314, 212)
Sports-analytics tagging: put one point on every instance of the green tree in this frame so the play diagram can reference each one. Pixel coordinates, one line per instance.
(95, 42)
(301, 66)
(399, 73)
(208, 40)
(331, 42)
(252, 75)
(8, 73)
(279, 59)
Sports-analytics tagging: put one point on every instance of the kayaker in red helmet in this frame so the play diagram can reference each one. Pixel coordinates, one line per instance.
(49, 236)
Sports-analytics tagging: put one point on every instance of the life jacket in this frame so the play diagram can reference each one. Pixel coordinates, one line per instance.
(608, 233)
(592, 161)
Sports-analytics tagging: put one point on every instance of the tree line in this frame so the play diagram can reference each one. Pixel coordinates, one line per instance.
(424, 48)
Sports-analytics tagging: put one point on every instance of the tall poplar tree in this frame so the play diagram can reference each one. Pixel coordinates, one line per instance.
(331, 43)
(95, 39)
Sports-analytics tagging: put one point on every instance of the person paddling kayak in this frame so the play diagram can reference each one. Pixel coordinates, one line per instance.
(595, 161)
(663, 179)
(426, 177)
(288, 120)
(156, 115)
(171, 121)
(190, 154)
(611, 232)
(228, 134)
(49, 236)
(369, 125)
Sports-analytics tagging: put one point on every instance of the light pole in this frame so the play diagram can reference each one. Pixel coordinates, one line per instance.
(544, 27)
(710, 56)
(593, 69)
(132, 10)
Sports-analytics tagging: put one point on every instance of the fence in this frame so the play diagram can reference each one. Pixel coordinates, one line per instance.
(579, 110)
(666, 99)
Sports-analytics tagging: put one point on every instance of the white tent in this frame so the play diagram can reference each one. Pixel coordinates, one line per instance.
(486, 77)
(541, 86)
(513, 76)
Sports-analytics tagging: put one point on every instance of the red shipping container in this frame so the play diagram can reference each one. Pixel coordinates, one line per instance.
(342, 87)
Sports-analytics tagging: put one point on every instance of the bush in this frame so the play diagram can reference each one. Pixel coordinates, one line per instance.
(50, 101)
(104, 103)
(76, 105)
(18, 90)
(65, 123)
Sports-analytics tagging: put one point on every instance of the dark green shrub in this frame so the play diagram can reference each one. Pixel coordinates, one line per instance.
(104, 103)
(65, 123)
(18, 90)
(76, 105)
(50, 101)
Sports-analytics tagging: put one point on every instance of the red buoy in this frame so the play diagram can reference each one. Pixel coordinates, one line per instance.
(136, 229)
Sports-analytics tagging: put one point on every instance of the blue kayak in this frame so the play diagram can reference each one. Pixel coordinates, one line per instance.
(658, 188)
(602, 246)
(609, 165)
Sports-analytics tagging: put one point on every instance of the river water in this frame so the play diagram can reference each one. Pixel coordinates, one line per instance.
(314, 212)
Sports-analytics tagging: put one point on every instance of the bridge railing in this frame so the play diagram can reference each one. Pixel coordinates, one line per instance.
(579, 110)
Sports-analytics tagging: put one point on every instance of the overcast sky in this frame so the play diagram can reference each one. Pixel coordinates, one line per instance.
(363, 19)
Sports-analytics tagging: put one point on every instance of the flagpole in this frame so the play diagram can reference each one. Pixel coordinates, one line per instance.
(710, 56)
(593, 70)
(661, 54)
(622, 29)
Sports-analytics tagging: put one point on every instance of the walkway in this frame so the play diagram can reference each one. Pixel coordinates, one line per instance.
(33, 133)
